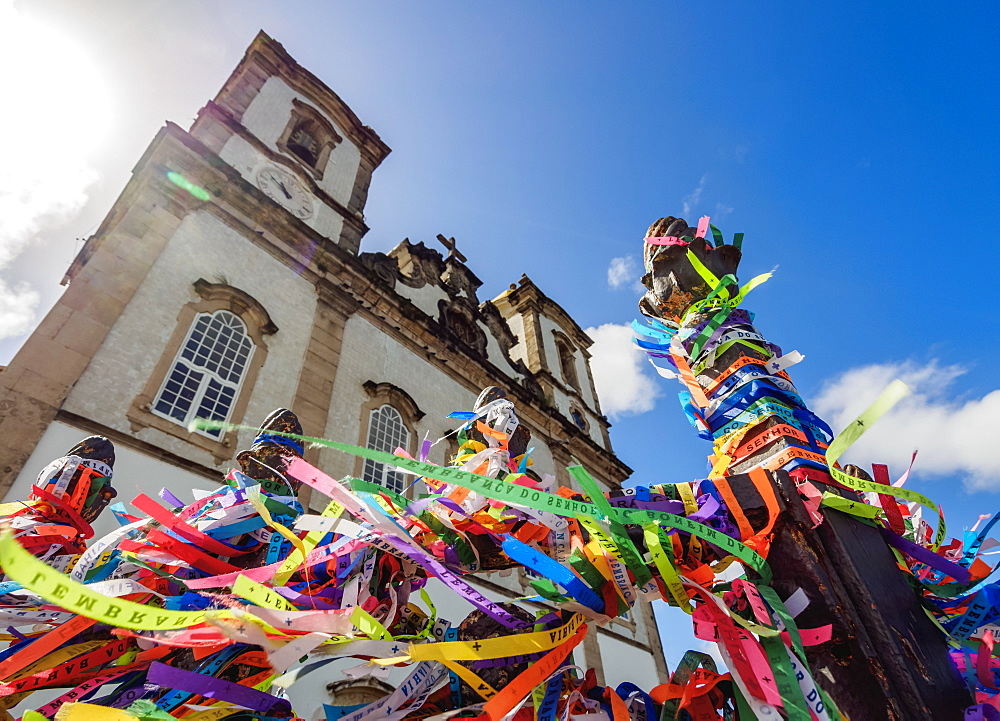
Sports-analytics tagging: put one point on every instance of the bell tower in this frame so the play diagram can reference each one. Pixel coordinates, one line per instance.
(205, 291)
(293, 138)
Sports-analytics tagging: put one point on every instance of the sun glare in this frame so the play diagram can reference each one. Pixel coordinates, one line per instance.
(57, 112)
(53, 81)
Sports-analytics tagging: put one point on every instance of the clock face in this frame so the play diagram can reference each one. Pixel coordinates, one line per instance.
(284, 189)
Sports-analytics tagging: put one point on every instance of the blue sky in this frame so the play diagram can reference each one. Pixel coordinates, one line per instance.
(852, 142)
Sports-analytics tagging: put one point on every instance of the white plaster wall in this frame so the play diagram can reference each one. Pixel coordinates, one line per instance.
(135, 473)
(425, 298)
(516, 324)
(563, 400)
(368, 353)
(201, 247)
(268, 115)
(552, 356)
(495, 354)
(248, 162)
(542, 461)
(637, 630)
(625, 662)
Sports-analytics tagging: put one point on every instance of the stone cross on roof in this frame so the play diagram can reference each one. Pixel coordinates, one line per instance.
(453, 251)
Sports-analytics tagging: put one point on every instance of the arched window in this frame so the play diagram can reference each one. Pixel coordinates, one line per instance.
(567, 363)
(388, 420)
(302, 142)
(386, 432)
(207, 368)
(310, 137)
(207, 372)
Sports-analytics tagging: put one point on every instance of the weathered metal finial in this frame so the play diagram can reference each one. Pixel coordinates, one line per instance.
(672, 282)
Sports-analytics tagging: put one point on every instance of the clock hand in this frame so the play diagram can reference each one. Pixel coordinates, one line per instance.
(284, 190)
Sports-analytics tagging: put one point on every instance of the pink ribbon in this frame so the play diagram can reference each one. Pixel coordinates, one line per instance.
(666, 240)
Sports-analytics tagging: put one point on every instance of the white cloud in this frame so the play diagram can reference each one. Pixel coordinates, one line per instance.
(17, 309)
(690, 202)
(625, 271)
(61, 111)
(956, 436)
(722, 210)
(712, 649)
(693, 201)
(619, 366)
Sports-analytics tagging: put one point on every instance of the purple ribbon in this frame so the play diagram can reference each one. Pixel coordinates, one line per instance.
(927, 556)
(305, 600)
(710, 506)
(981, 712)
(211, 687)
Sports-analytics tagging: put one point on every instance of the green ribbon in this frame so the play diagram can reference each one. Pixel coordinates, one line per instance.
(854, 430)
(630, 554)
(503, 490)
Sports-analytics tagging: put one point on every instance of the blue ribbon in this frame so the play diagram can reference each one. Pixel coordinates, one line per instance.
(550, 701)
(553, 570)
(972, 549)
(746, 395)
(627, 688)
(454, 683)
(280, 440)
(338, 712)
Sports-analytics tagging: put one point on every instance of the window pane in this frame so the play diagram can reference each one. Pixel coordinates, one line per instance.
(372, 471)
(179, 391)
(215, 404)
(207, 373)
(386, 432)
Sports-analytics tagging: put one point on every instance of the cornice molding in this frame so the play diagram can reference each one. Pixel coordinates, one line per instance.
(271, 57)
(241, 300)
(219, 113)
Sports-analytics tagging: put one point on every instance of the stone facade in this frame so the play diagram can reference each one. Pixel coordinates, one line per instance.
(200, 228)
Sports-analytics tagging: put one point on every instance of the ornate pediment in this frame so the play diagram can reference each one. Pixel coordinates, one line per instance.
(458, 318)
(463, 320)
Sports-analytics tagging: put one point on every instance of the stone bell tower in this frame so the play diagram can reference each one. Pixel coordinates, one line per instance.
(233, 224)
(227, 280)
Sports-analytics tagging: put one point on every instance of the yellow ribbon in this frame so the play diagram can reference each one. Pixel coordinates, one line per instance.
(260, 594)
(295, 558)
(513, 645)
(655, 541)
(59, 589)
(854, 430)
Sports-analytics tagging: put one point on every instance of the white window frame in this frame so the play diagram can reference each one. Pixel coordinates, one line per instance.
(568, 371)
(206, 376)
(374, 471)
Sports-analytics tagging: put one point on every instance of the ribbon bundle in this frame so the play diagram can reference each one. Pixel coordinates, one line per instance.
(201, 610)
(205, 610)
(756, 420)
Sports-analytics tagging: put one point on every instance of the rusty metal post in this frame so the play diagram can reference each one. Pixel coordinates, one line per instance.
(886, 661)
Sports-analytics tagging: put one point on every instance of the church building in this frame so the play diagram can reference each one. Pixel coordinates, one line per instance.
(227, 280)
